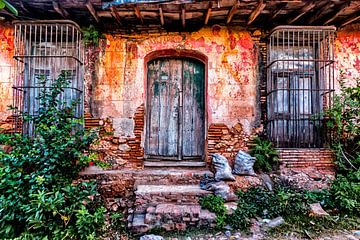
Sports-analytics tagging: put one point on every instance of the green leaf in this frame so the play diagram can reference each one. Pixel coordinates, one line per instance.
(11, 7)
(2, 4)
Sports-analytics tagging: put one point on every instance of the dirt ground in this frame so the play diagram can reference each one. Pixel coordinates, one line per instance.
(328, 235)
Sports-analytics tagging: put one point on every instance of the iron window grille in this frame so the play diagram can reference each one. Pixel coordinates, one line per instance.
(43, 49)
(300, 84)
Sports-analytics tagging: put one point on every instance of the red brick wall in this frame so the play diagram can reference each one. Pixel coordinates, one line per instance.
(321, 159)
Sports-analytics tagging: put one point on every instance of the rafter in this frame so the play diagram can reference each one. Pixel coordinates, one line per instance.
(339, 10)
(321, 12)
(305, 9)
(231, 13)
(256, 12)
(161, 15)
(92, 10)
(278, 11)
(352, 18)
(23, 7)
(60, 10)
(138, 14)
(183, 20)
(115, 14)
(208, 13)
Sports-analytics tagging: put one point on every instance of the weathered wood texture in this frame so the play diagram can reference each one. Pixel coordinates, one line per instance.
(175, 109)
(174, 15)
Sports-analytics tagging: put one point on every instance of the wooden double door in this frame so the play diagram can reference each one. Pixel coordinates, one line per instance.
(175, 109)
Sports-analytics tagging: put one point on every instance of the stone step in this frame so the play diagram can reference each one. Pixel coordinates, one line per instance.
(153, 195)
(172, 176)
(172, 217)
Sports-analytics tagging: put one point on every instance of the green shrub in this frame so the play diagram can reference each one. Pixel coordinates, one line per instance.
(91, 35)
(266, 155)
(259, 202)
(346, 193)
(344, 125)
(38, 199)
(216, 205)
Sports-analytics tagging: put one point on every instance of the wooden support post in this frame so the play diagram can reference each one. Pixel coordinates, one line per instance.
(161, 15)
(92, 10)
(305, 9)
(231, 13)
(339, 10)
(138, 13)
(351, 19)
(256, 12)
(115, 14)
(208, 13)
(183, 20)
(60, 10)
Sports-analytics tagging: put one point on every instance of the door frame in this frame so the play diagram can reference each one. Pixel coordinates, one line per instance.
(177, 54)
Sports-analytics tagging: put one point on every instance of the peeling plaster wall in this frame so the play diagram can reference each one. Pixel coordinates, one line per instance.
(6, 69)
(347, 53)
(232, 74)
(232, 77)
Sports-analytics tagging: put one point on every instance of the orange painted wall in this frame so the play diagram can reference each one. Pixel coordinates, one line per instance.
(347, 53)
(232, 74)
(6, 68)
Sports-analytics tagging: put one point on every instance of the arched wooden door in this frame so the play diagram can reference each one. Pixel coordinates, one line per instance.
(175, 109)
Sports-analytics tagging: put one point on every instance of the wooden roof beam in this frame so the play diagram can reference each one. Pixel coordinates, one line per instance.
(231, 12)
(208, 13)
(161, 15)
(305, 9)
(256, 12)
(92, 10)
(115, 14)
(338, 10)
(183, 20)
(138, 14)
(278, 11)
(60, 10)
(321, 12)
(23, 7)
(352, 18)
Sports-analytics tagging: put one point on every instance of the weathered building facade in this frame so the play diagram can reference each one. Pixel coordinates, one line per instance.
(174, 81)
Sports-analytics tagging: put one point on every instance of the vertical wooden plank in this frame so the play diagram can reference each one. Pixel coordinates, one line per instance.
(164, 77)
(153, 105)
(194, 108)
(199, 96)
(187, 111)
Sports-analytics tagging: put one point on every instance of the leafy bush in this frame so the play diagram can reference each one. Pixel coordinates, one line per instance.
(346, 193)
(38, 199)
(344, 124)
(216, 205)
(259, 202)
(266, 155)
(91, 35)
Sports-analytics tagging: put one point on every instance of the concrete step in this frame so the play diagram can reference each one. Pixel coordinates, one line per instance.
(153, 195)
(172, 217)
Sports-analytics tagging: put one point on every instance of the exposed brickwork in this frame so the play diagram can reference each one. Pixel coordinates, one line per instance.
(117, 186)
(321, 159)
(118, 150)
(227, 141)
(152, 195)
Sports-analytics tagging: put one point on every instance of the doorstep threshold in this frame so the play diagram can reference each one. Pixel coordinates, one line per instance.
(164, 163)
